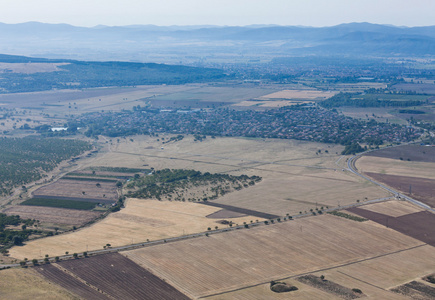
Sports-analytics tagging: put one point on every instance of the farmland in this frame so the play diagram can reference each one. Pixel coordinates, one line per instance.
(139, 221)
(29, 159)
(84, 190)
(109, 276)
(49, 215)
(314, 243)
(23, 284)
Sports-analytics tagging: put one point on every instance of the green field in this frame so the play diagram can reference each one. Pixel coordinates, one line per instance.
(82, 205)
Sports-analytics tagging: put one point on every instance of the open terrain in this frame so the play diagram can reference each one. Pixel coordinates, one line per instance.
(239, 259)
(109, 276)
(51, 215)
(294, 176)
(139, 221)
(23, 284)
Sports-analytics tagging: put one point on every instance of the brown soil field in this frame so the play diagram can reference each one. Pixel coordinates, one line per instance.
(138, 221)
(232, 260)
(393, 208)
(294, 177)
(416, 290)
(112, 276)
(30, 68)
(67, 188)
(299, 94)
(419, 225)
(390, 166)
(53, 215)
(24, 284)
(416, 187)
(411, 152)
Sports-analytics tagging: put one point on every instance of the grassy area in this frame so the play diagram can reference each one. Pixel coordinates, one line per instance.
(82, 205)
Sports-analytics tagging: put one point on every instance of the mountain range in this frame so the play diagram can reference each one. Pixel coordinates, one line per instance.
(169, 44)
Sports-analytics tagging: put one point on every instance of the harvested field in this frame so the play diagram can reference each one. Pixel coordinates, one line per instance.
(295, 178)
(411, 152)
(111, 276)
(225, 262)
(79, 190)
(24, 284)
(300, 94)
(416, 187)
(224, 214)
(30, 68)
(416, 290)
(388, 166)
(263, 292)
(420, 225)
(138, 221)
(329, 287)
(393, 208)
(53, 215)
(242, 211)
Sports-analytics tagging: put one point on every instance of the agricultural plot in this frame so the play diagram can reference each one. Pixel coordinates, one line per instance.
(230, 261)
(374, 277)
(299, 94)
(295, 176)
(23, 284)
(81, 190)
(52, 215)
(407, 152)
(419, 225)
(112, 276)
(416, 187)
(139, 221)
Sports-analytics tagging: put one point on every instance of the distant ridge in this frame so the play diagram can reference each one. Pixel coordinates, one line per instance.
(155, 43)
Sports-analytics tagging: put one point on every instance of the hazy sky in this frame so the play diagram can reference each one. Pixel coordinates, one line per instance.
(219, 12)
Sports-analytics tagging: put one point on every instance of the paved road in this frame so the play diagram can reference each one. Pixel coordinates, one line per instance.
(353, 169)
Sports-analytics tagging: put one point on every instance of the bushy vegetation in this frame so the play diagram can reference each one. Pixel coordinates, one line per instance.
(347, 216)
(23, 160)
(373, 100)
(15, 236)
(187, 185)
(353, 148)
(60, 203)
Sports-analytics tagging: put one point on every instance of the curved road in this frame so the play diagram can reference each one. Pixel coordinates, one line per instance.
(353, 169)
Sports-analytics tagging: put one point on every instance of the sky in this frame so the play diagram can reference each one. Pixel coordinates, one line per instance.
(315, 13)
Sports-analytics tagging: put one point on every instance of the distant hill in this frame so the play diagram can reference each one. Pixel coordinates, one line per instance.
(149, 43)
(84, 74)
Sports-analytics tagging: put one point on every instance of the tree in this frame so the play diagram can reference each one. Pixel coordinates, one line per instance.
(75, 255)
(34, 261)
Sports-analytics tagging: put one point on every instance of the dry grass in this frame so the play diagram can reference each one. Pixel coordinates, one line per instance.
(300, 94)
(396, 167)
(139, 221)
(263, 292)
(393, 208)
(27, 284)
(294, 177)
(232, 260)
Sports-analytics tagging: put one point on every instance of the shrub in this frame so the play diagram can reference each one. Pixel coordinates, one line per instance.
(355, 290)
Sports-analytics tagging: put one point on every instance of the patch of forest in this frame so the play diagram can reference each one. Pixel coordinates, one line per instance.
(23, 160)
(11, 233)
(187, 185)
(374, 100)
